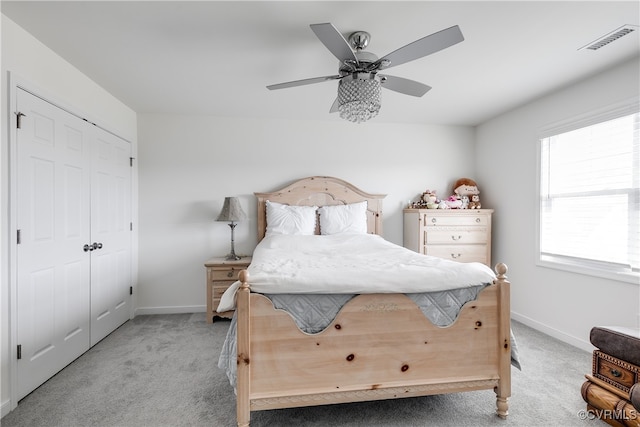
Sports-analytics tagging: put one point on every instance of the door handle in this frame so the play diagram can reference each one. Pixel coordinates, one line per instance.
(92, 247)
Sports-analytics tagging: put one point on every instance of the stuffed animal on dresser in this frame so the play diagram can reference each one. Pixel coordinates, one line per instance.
(474, 203)
(468, 187)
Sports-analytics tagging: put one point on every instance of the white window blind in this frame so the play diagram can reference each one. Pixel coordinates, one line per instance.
(590, 196)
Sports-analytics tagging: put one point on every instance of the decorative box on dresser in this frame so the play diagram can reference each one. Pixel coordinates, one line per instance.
(221, 273)
(462, 235)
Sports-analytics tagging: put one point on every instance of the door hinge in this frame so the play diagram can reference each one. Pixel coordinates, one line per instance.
(130, 290)
(18, 236)
(130, 226)
(19, 351)
(19, 119)
(131, 161)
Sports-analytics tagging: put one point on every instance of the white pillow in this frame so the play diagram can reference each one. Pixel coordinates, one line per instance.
(344, 219)
(285, 219)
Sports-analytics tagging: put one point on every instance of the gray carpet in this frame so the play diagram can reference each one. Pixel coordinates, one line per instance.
(161, 370)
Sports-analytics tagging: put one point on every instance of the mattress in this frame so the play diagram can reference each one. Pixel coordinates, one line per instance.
(350, 264)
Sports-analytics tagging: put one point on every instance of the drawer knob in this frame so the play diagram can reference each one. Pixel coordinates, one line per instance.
(478, 220)
(433, 220)
(454, 256)
(456, 237)
(230, 274)
(616, 373)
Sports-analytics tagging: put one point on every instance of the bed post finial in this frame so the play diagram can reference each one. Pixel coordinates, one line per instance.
(243, 277)
(501, 270)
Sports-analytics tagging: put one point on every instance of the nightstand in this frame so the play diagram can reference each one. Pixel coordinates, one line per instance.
(221, 273)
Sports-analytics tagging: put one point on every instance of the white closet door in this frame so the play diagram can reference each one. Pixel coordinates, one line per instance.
(110, 233)
(53, 270)
(73, 206)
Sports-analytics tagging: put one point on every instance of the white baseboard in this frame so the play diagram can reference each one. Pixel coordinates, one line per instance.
(5, 408)
(569, 339)
(170, 310)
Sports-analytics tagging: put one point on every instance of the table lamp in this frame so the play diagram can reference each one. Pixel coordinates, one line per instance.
(232, 212)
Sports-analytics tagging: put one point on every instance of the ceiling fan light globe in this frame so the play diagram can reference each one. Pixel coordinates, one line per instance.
(359, 97)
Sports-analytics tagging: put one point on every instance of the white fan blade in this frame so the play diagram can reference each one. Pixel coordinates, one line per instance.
(334, 106)
(405, 86)
(334, 41)
(303, 82)
(420, 48)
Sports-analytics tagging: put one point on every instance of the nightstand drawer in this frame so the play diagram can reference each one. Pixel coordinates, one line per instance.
(614, 371)
(220, 287)
(456, 236)
(229, 273)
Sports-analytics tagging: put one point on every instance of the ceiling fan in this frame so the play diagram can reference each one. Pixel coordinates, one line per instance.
(359, 82)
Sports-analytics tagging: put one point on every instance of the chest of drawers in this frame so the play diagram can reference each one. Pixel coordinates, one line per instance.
(221, 273)
(462, 235)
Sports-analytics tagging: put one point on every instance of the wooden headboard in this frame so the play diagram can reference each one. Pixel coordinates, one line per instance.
(322, 191)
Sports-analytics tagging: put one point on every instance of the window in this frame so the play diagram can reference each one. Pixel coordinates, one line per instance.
(590, 196)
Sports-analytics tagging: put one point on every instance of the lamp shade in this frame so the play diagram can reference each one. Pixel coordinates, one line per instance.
(231, 210)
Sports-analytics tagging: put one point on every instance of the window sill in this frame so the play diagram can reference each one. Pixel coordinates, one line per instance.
(620, 276)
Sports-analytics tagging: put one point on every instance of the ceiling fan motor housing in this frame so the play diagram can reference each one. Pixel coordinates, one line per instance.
(364, 60)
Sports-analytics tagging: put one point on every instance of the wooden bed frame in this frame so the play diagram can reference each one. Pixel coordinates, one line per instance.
(380, 346)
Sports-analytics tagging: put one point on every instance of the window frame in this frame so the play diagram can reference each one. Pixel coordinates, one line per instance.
(564, 263)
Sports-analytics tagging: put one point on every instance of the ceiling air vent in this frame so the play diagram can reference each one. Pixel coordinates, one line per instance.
(610, 37)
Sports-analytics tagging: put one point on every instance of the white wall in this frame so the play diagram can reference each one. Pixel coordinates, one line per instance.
(33, 63)
(187, 165)
(562, 304)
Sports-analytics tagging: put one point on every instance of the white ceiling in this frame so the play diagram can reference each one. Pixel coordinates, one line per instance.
(215, 57)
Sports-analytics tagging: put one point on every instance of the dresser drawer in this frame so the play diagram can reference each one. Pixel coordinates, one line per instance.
(456, 236)
(614, 371)
(229, 273)
(455, 220)
(460, 253)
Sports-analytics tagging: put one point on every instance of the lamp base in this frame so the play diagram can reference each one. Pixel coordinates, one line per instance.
(232, 257)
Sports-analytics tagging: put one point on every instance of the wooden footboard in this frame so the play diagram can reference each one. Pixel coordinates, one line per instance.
(380, 346)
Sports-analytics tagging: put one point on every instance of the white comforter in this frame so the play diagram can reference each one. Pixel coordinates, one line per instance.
(350, 264)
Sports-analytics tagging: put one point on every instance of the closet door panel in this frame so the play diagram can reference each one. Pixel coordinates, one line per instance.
(111, 218)
(52, 216)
